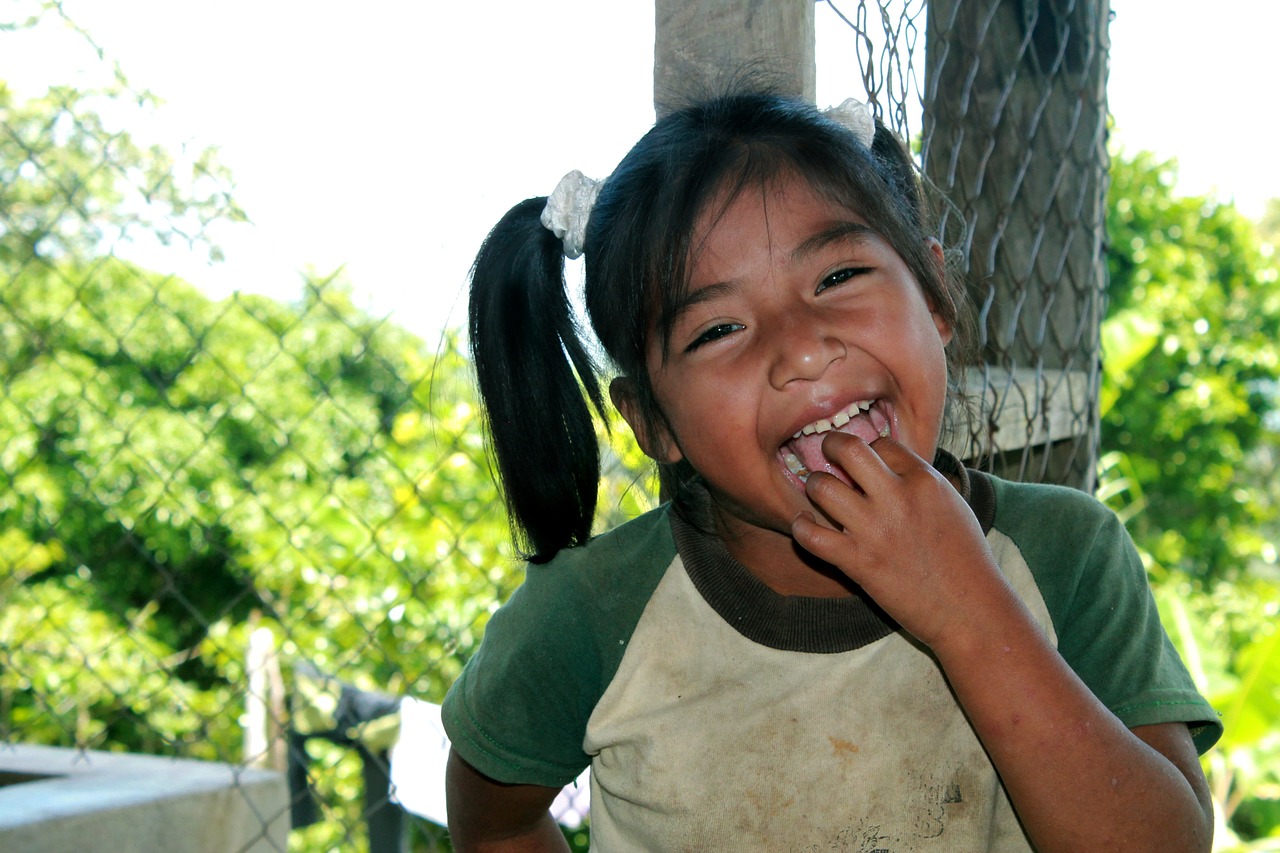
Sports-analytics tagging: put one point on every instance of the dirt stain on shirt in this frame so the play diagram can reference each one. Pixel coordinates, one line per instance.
(839, 746)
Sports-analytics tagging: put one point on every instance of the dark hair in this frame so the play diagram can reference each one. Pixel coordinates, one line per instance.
(532, 366)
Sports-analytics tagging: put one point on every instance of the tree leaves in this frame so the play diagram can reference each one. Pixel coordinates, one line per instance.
(1190, 366)
(1189, 434)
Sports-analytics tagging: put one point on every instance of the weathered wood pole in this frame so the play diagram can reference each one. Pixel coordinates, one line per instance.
(1015, 137)
(702, 44)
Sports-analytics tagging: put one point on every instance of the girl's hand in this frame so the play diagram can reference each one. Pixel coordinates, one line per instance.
(902, 533)
(908, 538)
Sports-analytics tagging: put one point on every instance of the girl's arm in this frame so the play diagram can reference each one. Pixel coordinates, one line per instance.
(485, 815)
(1077, 777)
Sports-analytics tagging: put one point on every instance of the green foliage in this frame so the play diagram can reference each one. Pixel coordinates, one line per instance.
(73, 187)
(197, 461)
(1228, 637)
(1191, 371)
(1189, 434)
(176, 472)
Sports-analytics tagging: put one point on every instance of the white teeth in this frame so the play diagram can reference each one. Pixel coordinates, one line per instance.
(795, 466)
(837, 420)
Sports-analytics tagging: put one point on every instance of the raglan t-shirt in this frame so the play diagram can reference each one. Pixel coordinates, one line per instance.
(716, 714)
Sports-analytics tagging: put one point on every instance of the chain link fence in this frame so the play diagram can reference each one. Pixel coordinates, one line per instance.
(1006, 101)
(238, 530)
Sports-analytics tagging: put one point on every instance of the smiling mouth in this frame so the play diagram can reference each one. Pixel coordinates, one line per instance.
(802, 453)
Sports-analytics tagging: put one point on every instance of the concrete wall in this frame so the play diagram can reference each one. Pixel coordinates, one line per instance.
(87, 801)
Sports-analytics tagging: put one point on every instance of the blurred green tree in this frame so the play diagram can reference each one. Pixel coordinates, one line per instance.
(1190, 442)
(1191, 369)
(177, 472)
(185, 463)
(74, 186)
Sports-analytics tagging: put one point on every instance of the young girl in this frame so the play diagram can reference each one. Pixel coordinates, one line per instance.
(833, 636)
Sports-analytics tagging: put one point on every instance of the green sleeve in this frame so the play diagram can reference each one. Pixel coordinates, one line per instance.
(1103, 612)
(519, 710)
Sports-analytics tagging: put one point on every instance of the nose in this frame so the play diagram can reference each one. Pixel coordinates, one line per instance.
(803, 349)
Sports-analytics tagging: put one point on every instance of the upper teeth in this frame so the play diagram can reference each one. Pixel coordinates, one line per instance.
(839, 419)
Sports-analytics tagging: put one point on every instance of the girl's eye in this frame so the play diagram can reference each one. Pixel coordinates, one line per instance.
(714, 333)
(841, 276)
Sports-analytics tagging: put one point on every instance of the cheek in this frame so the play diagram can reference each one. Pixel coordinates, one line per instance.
(708, 417)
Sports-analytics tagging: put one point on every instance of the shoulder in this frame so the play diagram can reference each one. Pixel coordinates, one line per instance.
(1094, 585)
(519, 710)
(1074, 546)
(1041, 512)
(608, 571)
(1061, 530)
(586, 599)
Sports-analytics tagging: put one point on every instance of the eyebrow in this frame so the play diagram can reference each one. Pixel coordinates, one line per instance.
(853, 232)
(694, 298)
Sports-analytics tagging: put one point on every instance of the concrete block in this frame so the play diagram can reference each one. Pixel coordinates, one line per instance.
(54, 799)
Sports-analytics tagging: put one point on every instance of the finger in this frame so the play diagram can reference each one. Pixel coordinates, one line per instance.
(834, 499)
(823, 542)
(839, 549)
(856, 458)
(896, 456)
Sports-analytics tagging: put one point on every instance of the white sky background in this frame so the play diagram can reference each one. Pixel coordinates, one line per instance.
(388, 136)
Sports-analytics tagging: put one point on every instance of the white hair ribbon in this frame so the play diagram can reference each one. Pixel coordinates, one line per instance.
(568, 208)
(856, 116)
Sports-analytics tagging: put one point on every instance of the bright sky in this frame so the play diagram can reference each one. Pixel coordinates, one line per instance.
(388, 136)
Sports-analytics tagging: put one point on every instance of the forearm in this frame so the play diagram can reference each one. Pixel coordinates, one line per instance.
(486, 816)
(1077, 777)
(544, 837)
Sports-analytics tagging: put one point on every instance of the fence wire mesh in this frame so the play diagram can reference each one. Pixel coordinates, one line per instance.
(239, 530)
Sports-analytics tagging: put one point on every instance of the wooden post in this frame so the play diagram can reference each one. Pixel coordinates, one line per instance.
(265, 741)
(256, 721)
(1015, 137)
(701, 45)
(1014, 131)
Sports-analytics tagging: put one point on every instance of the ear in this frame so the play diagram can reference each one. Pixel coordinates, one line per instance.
(655, 439)
(939, 258)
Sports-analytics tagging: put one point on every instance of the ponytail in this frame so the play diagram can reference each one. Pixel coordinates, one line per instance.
(529, 360)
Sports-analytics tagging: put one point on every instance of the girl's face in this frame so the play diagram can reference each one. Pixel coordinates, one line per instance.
(798, 317)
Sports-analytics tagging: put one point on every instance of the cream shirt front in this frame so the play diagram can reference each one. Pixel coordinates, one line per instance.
(705, 740)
